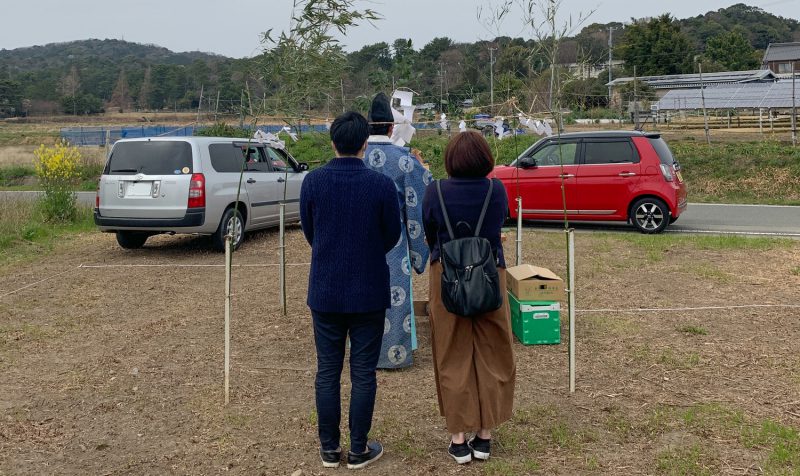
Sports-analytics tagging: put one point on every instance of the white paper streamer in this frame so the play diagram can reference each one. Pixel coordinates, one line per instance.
(288, 130)
(462, 126)
(269, 139)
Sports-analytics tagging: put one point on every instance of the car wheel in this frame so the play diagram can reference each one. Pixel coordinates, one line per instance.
(131, 240)
(231, 223)
(649, 215)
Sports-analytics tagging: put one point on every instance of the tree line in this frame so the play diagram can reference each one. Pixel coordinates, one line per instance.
(87, 77)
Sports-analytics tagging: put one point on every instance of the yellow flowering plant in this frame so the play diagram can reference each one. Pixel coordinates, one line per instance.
(57, 169)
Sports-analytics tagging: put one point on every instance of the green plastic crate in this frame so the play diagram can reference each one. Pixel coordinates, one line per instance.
(535, 322)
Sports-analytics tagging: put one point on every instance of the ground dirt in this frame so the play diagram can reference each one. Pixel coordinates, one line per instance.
(118, 369)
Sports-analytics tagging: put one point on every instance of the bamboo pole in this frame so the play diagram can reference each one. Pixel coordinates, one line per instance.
(282, 274)
(519, 230)
(228, 252)
(571, 293)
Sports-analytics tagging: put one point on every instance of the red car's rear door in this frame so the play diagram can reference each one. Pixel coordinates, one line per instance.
(607, 177)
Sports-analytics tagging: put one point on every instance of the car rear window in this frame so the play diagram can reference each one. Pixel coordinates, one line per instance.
(150, 158)
(609, 152)
(662, 149)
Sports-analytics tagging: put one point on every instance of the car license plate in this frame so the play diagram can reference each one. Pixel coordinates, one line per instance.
(680, 177)
(139, 189)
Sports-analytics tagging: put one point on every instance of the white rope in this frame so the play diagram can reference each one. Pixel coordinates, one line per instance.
(701, 308)
(187, 265)
(34, 284)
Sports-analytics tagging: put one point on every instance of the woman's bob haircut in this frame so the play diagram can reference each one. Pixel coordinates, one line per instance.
(468, 156)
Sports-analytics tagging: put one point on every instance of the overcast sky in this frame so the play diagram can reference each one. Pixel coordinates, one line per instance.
(233, 27)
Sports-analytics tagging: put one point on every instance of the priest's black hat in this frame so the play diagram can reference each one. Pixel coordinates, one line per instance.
(380, 110)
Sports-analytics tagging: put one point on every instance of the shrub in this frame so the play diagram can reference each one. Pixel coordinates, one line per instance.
(221, 129)
(57, 169)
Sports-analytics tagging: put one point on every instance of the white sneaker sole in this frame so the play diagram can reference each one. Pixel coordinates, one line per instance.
(461, 459)
(330, 465)
(480, 455)
(365, 463)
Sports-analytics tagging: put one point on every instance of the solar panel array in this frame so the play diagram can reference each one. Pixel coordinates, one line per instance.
(777, 95)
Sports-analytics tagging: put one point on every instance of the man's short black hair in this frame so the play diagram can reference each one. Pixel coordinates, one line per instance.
(349, 131)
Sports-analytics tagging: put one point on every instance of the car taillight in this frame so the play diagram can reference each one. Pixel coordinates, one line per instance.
(97, 196)
(666, 172)
(197, 191)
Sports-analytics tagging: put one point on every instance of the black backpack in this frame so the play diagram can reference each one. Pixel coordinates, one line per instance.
(470, 283)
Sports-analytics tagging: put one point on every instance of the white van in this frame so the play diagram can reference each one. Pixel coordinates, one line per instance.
(190, 185)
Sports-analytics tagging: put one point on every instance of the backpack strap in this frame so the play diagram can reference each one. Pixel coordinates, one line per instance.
(483, 210)
(485, 207)
(444, 210)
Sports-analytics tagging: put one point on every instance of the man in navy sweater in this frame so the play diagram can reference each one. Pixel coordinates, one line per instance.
(351, 218)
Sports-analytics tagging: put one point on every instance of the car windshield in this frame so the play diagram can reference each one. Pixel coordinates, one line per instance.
(150, 158)
(662, 149)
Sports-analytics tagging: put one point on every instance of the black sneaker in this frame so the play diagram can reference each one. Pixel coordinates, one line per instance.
(360, 460)
(331, 459)
(480, 448)
(460, 452)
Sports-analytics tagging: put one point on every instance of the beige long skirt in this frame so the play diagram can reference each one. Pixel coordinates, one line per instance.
(473, 361)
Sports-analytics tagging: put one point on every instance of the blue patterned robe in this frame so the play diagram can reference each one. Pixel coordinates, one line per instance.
(411, 179)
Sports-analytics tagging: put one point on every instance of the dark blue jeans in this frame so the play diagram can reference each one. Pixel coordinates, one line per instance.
(330, 335)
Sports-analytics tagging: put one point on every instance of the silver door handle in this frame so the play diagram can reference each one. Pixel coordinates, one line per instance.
(566, 175)
(627, 174)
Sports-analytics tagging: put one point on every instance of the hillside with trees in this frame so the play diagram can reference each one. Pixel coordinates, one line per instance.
(86, 77)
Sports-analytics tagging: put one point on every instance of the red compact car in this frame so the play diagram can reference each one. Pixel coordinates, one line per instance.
(607, 176)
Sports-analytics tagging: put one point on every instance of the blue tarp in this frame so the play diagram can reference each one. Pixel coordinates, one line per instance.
(98, 135)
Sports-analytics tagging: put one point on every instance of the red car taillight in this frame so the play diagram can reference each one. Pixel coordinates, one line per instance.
(97, 196)
(197, 191)
(666, 172)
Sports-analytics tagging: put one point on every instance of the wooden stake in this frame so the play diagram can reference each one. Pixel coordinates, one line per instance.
(571, 292)
(282, 274)
(228, 251)
(519, 231)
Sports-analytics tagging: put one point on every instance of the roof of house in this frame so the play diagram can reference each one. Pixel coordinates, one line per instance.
(782, 52)
(731, 96)
(678, 81)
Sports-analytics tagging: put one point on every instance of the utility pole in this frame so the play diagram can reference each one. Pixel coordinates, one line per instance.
(610, 49)
(703, 99)
(552, 17)
(441, 87)
(491, 79)
(199, 104)
(635, 100)
(341, 81)
(216, 107)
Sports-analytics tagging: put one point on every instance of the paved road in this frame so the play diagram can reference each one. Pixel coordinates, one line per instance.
(758, 220)
(739, 219)
(764, 220)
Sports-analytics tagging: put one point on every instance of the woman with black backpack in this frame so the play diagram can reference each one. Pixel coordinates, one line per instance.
(471, 338)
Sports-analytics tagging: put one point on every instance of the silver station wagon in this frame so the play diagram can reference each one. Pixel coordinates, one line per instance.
(189, 185)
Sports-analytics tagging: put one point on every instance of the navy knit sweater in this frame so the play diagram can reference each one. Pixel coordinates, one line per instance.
(351, 218)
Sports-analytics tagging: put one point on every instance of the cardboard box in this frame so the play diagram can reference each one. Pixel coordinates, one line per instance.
(532, 283)
(535, 322)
